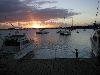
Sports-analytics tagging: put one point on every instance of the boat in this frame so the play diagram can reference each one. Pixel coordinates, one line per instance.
(84, 29)
(65, 32)
(42, 31)
(77, 31)
(59, 31)
(95, 43)
(17, 45)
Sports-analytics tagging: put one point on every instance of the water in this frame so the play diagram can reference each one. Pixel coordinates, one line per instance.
(53, 45)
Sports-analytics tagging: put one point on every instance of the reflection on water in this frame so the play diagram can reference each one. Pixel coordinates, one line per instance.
(53, 45)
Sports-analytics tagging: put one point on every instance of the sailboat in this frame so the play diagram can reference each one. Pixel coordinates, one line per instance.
(65, 31)
(42, 31)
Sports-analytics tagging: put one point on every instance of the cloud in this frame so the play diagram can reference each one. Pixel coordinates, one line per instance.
(11, 6)
(28, 1)
(51, 13)
(38, 4)
(17, 10)
(45, 2)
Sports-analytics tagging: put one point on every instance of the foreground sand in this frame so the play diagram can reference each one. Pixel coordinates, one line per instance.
(51, 67)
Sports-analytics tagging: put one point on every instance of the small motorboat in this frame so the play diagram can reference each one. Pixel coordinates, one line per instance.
(66, 32)
(42, 31)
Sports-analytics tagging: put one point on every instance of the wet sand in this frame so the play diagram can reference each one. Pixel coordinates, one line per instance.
(52, 67)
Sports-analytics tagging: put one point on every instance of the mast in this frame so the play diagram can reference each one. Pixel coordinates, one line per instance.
(72, 23)
(97, 14)
(12, 25)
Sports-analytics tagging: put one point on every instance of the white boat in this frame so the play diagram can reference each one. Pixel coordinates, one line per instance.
(59, 31)
(18, 45)
(95, 43)
(42, 31)
(65, 32)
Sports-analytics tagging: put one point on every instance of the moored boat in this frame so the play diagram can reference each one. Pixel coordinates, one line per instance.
(59, 31)
(65, 32)
(95, 43)
(42, 31)
(17, 45)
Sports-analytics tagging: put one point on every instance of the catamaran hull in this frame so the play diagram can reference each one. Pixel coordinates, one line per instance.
(95, 49)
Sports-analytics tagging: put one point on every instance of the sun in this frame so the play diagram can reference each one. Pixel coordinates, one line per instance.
(37, 26)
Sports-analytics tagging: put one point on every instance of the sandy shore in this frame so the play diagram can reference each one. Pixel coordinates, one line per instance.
(52, 67)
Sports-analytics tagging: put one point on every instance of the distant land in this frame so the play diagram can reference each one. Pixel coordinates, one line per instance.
(94, 26)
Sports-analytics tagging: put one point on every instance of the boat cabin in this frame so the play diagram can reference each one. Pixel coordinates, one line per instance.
(16, 40)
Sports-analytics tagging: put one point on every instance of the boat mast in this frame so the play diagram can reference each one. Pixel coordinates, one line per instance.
(65, 23)
(72, 21)
(97, 12)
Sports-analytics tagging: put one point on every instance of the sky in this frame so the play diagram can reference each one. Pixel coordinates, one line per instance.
(48, 13)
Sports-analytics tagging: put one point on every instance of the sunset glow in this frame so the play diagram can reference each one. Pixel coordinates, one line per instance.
(37, 26)
(47, 14)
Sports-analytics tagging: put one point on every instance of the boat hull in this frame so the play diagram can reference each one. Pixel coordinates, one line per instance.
(42, 32)
(24, 52)
(65, 33)
(95, 49)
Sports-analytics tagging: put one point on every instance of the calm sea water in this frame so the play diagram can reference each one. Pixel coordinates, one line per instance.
(53, 45)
